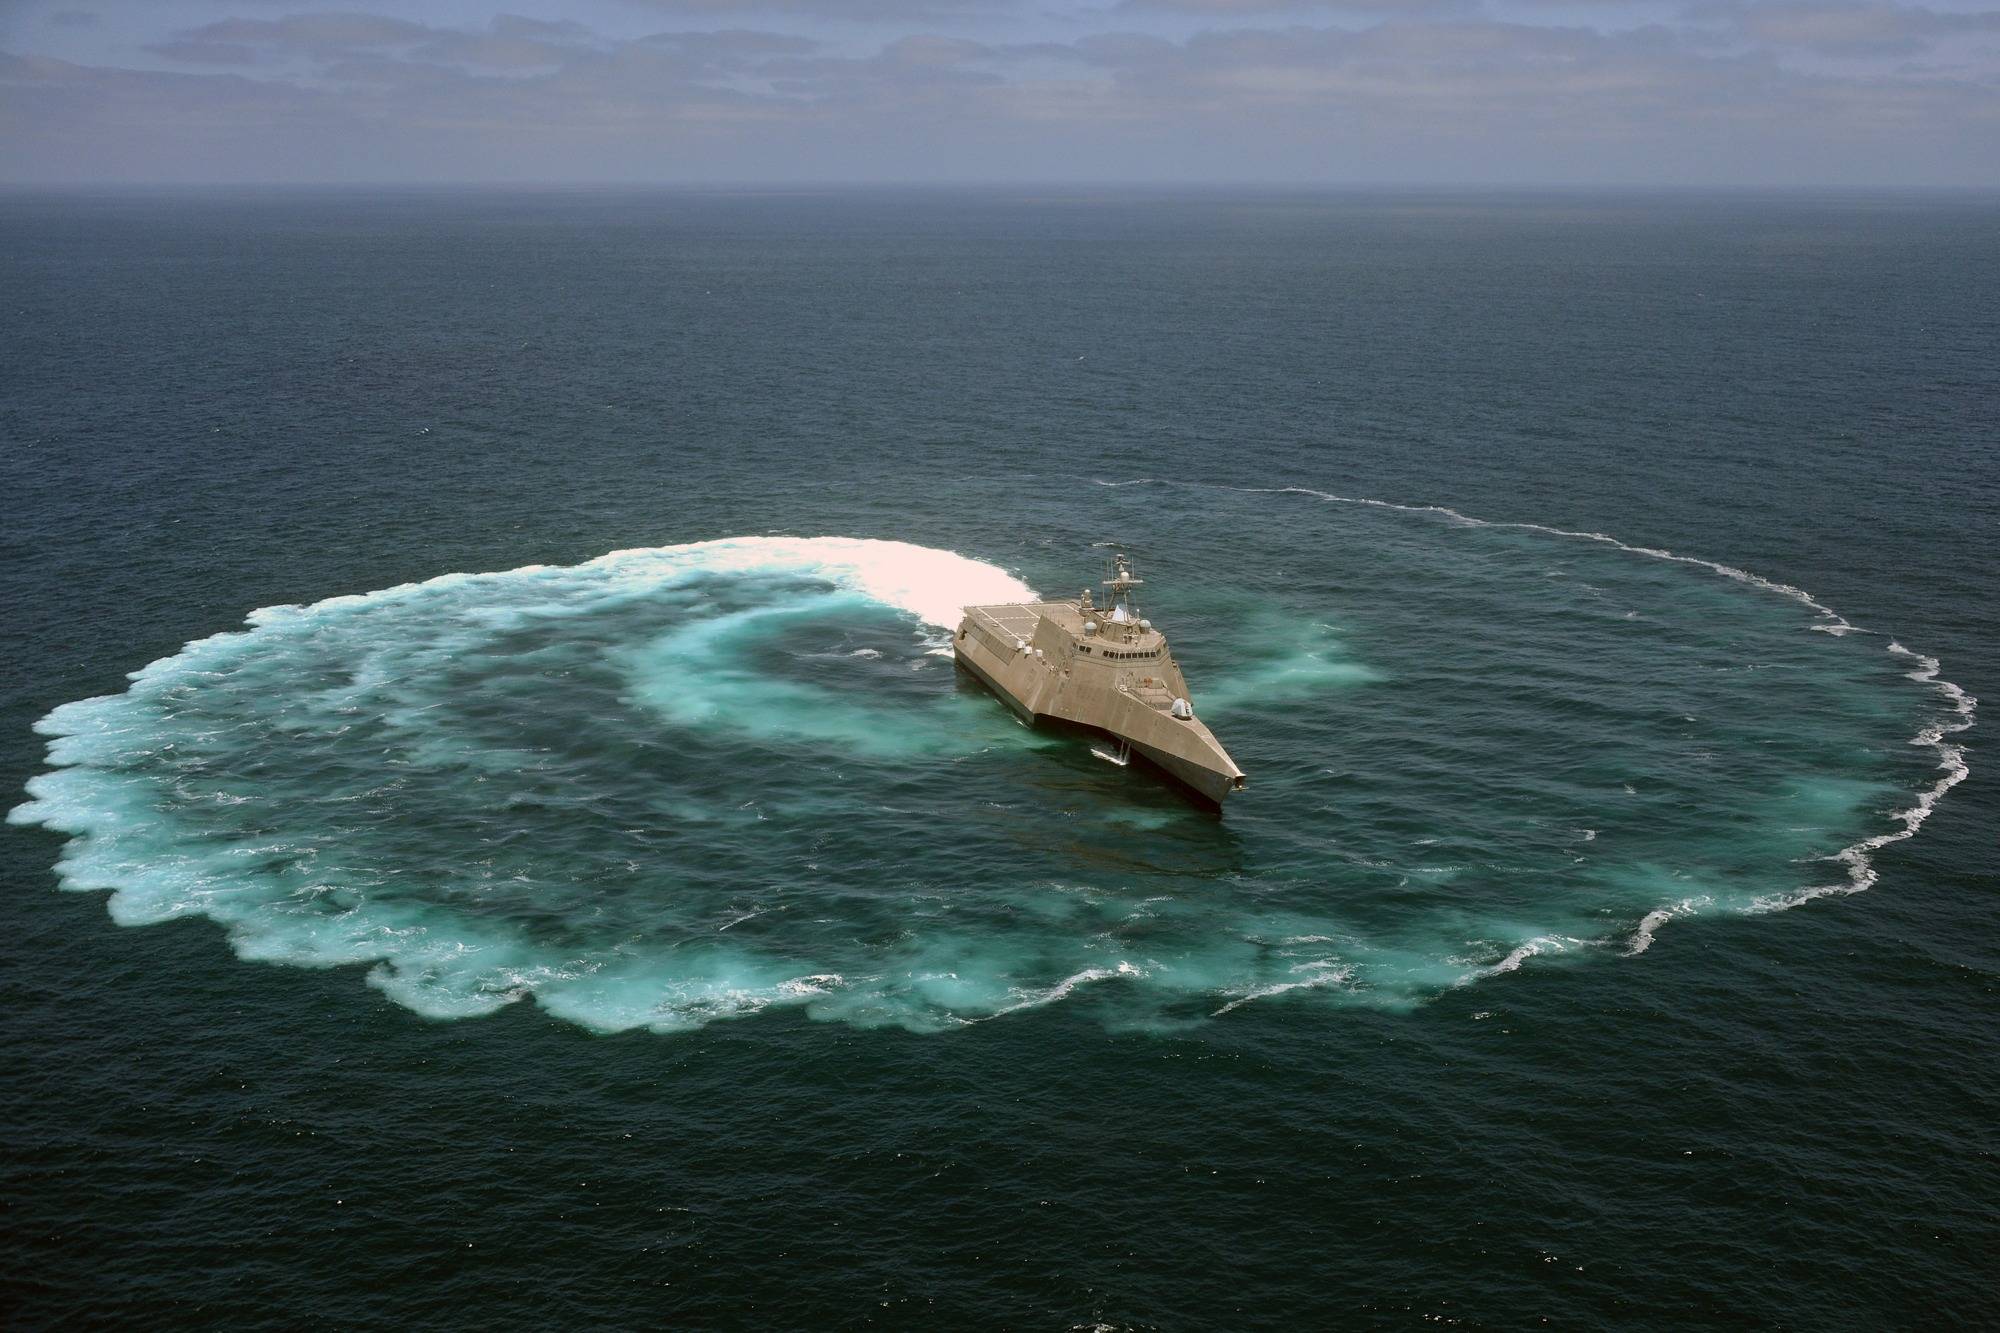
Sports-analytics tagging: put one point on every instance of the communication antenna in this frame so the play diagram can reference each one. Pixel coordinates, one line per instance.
(1121, 583)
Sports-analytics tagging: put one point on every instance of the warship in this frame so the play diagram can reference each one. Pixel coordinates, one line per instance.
(1100, 667)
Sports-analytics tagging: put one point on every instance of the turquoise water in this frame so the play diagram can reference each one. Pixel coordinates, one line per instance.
(586, 890)
(675, 785)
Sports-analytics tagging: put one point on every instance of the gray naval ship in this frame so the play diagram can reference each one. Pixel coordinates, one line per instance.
(1101, 667)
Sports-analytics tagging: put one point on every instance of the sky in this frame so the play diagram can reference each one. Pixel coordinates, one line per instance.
(1304, 92)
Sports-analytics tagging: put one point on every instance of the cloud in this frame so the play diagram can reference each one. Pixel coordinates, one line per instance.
(1438, 77)
(911, 73)
(354, 41)
(192, 52)
(1837, 29)
(487, 51)
(316, 33)
(514, 25)
(734, 47)
(840, 11)
(1253, 8)
(1438, 96)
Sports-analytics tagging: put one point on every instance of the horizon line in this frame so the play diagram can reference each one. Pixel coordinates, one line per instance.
(1023, 183)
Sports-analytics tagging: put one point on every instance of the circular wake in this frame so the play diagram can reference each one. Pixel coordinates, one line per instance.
(674, 785)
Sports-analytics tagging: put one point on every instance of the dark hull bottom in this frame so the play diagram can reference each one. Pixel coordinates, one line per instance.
(1203, 786)
(1206, 783)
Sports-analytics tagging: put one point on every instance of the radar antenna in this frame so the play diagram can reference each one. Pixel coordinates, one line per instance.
(1121, 583)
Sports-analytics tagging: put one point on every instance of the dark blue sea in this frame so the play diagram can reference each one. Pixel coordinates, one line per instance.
(497, 837)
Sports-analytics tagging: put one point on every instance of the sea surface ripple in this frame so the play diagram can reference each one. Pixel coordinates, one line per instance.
(1472, 1010)
(695, 782)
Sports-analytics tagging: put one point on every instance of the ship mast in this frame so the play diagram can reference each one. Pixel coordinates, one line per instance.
(1121, 583)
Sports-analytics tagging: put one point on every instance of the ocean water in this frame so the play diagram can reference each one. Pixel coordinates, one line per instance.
(492, 652)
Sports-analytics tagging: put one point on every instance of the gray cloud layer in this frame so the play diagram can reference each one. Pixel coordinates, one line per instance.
(1228, 89)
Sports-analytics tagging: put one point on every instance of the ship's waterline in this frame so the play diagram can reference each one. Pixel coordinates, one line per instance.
(1103, 667)
(688, 783)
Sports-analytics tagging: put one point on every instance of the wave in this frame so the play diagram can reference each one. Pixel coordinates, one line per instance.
(624, 791)
(1832, 622)
(1062, 989)
(1642, 938)
(280, 780)
(1857, 857)
(1320, 975)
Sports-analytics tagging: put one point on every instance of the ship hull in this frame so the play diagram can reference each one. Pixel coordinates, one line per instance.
(978, 673)
(1208, 784)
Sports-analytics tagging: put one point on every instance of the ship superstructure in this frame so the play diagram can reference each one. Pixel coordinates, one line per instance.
(1103, 667)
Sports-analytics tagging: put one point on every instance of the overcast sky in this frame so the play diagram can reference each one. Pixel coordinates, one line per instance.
(1844, 92)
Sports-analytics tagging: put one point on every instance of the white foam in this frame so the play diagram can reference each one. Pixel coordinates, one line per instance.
(1321, 973)
(1861, 872)
(451, 965)
(1520, 954)
(933, 585)
(1954, 768)
(1642, 938)
(747, 916)
(1830, 621)
(444, 965)
(1061, 990)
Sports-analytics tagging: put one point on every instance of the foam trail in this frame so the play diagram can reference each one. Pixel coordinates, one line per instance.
(1861, 872)
(354, 696)
(1323, 973)
(1831, 621)
(627, 792)
(1520, 954)
(935, 586)
(1062, 988)
(1642, 938)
